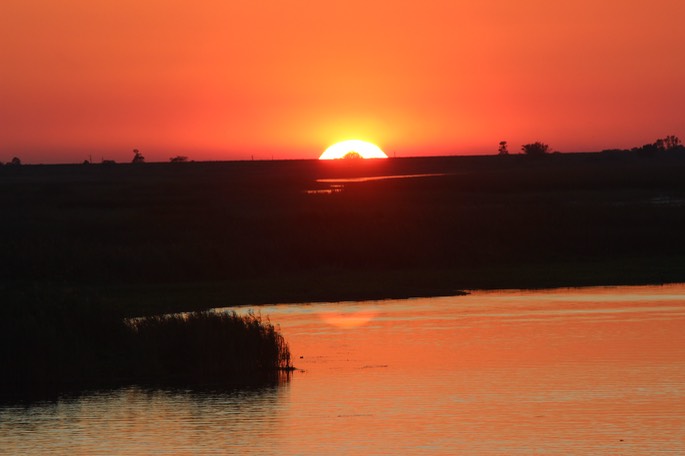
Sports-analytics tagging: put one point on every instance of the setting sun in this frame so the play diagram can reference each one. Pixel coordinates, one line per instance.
(352, 148)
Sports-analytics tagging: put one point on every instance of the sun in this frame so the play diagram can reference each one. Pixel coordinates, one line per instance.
(353, 148)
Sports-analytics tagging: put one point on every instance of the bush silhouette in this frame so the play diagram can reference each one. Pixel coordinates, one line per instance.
(137, 157)
(503, 148)
(536, 149)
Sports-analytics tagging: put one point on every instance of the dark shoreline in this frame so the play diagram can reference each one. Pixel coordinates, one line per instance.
(135, 300)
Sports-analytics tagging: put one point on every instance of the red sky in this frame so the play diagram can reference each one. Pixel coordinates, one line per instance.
(232, 79)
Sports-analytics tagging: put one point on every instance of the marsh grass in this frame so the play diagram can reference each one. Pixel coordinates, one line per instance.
(64, 341)
(206, 346)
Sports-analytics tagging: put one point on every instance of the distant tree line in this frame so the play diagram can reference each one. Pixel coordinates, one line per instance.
(138, 157)
(670, 143)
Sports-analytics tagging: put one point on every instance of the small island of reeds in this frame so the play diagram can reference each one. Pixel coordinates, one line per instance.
(56, 342)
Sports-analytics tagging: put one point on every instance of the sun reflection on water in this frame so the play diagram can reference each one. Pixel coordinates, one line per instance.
(348, 320)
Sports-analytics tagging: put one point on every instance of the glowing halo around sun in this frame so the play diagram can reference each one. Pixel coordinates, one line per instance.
(352, 148)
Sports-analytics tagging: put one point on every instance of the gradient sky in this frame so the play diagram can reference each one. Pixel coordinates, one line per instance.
(232, 79)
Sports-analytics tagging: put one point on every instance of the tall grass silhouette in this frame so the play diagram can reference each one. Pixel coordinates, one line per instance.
(55, 341)
(207, 345)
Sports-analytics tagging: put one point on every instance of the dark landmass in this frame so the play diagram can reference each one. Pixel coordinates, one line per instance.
(87, 247)
(150, 238)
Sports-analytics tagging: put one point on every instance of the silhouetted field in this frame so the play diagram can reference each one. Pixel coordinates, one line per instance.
(148, 238)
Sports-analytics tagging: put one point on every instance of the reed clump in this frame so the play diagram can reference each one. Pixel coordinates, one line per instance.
(207, 345)
(65, 341)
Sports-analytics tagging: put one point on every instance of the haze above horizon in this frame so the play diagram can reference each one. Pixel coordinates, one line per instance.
(234, 80)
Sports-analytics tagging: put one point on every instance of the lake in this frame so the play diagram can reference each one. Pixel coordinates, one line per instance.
(568, 371)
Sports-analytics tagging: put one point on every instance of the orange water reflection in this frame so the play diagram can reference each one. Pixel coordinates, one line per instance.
(598, 370)
(591, 371)
(376, 178)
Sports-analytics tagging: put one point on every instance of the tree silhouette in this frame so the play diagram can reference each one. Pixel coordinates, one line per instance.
(179, 159)
(137, 157)
(668, 144)
(671, 142)
(503, 148)
(536, 149)
(15, 161)
(352, 155)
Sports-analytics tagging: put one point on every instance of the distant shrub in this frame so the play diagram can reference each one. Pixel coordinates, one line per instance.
(503, 148)
(535, 149)
(137, 157)
(179, 159)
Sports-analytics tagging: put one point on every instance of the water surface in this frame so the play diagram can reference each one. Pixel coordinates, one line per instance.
(581, 371)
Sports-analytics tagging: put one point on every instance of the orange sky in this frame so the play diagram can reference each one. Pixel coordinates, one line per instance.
(232, 79)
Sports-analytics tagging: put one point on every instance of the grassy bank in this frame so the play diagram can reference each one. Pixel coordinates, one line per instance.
(61, 341)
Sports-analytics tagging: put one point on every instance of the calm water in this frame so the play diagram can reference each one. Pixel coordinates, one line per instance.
(590, 371)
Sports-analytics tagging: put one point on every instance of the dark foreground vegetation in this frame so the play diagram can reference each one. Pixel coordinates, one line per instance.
(55, 342)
